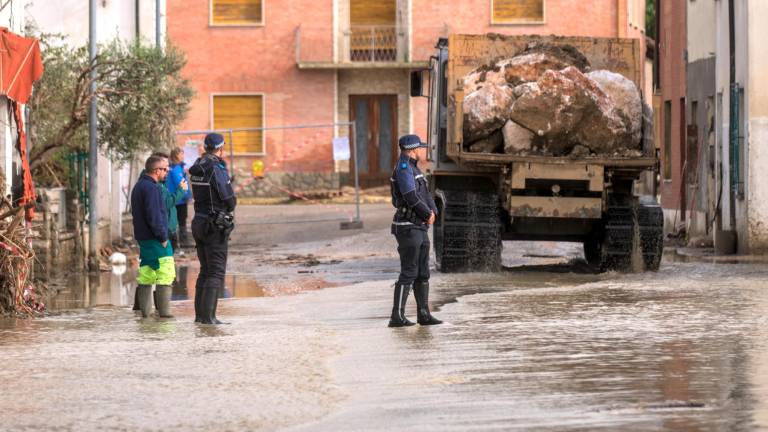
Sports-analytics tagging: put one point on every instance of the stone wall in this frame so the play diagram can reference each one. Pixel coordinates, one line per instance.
(281, 184)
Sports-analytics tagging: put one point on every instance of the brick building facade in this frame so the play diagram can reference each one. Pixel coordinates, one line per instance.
(259, 63)
(672, 116)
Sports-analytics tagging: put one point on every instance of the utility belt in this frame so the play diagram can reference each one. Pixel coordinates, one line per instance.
(222, 221)
(408, 214)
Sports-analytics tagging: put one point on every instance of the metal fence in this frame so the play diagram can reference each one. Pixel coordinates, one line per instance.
(283, 155)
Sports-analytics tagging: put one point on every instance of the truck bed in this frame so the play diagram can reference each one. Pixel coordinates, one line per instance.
(468, 52)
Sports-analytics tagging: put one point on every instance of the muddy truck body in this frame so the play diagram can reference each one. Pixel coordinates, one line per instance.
(485, 198)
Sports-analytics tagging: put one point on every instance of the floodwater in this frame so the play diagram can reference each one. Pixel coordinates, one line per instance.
(543, 345)
(107, 289)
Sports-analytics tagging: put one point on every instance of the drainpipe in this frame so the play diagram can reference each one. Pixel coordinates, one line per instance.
(137, 15)
(733, 111)
(93, 165)
(158, 31)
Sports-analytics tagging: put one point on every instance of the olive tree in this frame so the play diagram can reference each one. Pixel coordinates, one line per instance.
(141, 93)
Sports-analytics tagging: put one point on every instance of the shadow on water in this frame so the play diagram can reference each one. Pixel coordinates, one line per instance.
(575, 265)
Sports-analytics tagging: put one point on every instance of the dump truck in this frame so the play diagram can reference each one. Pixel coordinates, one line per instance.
(485, 198)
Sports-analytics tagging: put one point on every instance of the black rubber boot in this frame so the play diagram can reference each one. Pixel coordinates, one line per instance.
(198, 304)
(398, 318)
(209, 305)
(421, 293)
(144, 293)
(216, 306)
(163, 301)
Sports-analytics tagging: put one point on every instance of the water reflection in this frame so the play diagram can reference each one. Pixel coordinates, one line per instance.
(116, 289)
(88, 290)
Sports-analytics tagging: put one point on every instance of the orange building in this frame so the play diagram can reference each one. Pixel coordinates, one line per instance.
(259, 63)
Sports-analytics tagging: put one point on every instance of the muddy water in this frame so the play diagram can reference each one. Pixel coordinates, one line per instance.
(116, 290)
(543, 345)
(683, 349)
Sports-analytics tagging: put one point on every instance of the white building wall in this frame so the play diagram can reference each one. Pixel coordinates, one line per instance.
(115, 19)
(12, 17)
(751, 209)
(722, 114)
(757, 135)
(702, 41)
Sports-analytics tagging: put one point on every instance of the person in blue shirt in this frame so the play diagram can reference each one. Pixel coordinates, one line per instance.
(416, 210)
(172, 182)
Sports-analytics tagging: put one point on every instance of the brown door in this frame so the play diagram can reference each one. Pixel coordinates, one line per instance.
(375, 139)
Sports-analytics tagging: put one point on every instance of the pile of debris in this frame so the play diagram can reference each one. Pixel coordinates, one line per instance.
(17, 294)
(547, 101)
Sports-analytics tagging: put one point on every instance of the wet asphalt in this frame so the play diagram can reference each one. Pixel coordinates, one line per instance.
(546, 344)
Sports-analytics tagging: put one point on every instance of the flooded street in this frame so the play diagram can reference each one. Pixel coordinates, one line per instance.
(543, 345)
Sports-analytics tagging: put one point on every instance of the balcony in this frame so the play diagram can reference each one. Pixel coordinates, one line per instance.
(356, 47)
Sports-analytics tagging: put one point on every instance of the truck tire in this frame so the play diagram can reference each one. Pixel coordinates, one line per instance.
(651, 220)
(610, 247)
(467, 232)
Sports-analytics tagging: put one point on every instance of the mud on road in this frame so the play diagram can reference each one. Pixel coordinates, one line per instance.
(545, 344)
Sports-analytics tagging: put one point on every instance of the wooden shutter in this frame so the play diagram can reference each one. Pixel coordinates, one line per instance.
(236, 12)
(517, 11)
(241, 111)
(372, 12)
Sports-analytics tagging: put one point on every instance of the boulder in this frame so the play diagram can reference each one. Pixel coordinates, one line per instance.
(482, 76)
(564, 53)
(526, 66)
(529, 67)
(517, 139)
(490, 144)
(625, 97)
(486, 110)
(552, 109)
(545, 100)
(566, 108)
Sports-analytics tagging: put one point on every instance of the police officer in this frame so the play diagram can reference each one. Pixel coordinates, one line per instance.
(416, 210)
(213, 222)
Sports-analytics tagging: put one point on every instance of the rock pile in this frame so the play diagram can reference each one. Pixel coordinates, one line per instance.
(546, 101)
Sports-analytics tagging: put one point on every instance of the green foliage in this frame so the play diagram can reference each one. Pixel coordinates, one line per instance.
(650, 18)
(145, 99)
(141, 93)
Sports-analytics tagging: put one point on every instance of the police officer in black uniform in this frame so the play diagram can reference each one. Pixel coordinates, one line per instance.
(416, 210)
(213, 222)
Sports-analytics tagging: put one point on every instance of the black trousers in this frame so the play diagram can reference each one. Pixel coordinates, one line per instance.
(181, 212)
(413, 247)
(212, 250)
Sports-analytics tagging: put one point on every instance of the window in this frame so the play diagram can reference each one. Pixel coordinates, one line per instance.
(238, 112)
(517, 11)
(373, 30)
(667, 140)
(372, 12)
(237, 12)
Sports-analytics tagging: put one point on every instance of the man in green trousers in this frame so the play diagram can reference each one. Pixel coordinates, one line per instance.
(150, 228)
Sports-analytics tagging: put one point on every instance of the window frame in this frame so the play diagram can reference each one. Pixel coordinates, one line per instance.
(263, 96)
(212, 24)
(521, 22)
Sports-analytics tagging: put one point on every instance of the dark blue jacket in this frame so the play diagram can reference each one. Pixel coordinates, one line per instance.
(150, 218)
(211, 186)
(410, 191)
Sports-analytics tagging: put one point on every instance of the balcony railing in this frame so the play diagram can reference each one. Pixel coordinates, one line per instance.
(365, 46)
(374, 43)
